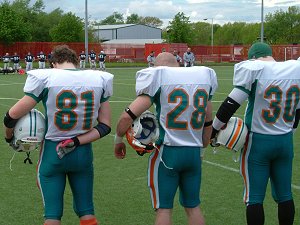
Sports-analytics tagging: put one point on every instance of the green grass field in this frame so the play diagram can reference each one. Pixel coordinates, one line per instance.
(121, 195)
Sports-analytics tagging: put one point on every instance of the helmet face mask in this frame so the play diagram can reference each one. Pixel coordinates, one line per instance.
(143, 133)
(29, 131)
(233, 136)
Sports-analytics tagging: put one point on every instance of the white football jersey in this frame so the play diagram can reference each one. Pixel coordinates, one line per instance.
(180, 95)
(273, 89)
(71, 98)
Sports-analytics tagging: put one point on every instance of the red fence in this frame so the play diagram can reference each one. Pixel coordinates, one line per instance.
(22, 48)
(139, 52)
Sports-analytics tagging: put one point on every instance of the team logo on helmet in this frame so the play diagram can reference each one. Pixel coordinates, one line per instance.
(233, 136)
(29, 131)
(143, 133)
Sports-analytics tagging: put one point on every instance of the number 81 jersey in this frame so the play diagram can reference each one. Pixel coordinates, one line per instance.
(180, 95)
(273, 89)
(71, 98)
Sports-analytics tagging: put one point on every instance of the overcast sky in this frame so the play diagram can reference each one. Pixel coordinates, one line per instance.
(222, 11)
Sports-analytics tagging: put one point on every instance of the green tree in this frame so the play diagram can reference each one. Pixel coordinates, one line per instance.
(133, 19)
(12, 26)
(283, 27)
(69, 29)
(179, 29)
(115, 18)
(151, 21)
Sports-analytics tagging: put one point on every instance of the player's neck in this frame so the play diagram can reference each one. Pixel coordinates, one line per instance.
(267, 58)
(65, 65)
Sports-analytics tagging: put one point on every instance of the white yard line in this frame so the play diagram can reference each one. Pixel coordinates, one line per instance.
(236, 170)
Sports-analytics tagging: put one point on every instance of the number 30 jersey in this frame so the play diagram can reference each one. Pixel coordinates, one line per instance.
(71, 99)
(180, 95)
(273, 89)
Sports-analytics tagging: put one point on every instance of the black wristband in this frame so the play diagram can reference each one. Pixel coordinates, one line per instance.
(103, 129)
(130, 113)
(9, 122)
(207, 124)
(8, 140)
(76, 141)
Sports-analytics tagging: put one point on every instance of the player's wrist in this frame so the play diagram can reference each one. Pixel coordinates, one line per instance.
(118, 139)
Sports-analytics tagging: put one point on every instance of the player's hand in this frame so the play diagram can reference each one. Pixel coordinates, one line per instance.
(66, 146)
(213, 138)
(120, 150)
(12, 144)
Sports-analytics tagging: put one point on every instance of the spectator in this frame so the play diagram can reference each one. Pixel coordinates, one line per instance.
(16, 61)
(42, 58)
(177, 57)
(49, 59)
(82, 58)
(188, 58)
(151, 59)
(28, 60)
(102, 57)
(6, 60)
(92, 59)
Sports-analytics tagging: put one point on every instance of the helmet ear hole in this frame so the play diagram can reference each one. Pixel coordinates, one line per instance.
(29, 131)
(143, 132)
(233, 135)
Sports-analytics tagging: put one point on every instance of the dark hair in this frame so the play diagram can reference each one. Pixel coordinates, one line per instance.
(62, 53)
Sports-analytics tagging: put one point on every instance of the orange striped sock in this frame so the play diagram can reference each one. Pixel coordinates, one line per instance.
(89, 222)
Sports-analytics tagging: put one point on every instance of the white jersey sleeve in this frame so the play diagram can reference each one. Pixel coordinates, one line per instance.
(213, 83)
(245, 74)
(107, 86)
(148, 82)
(36, 83)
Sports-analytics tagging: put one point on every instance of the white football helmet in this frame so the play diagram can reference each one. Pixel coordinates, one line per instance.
(143, 132)
(29, 131)
(233, 136)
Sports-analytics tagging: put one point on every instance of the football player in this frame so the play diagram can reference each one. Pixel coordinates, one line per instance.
(42, 59)
(75, 100)
(188, 58)
(28, 60)
(82, 58)
(102, 57)
(151, 59)
(273, 111)
(92, 59)
(16, 60)
(177, 57)
(182, 97)
(6, 60)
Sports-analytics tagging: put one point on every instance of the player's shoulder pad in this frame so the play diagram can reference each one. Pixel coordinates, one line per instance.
(40, 73)
(250, 65)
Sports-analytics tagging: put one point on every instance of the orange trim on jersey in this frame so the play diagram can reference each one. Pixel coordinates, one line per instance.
(243, 168)
(151, 178)
(236, 134)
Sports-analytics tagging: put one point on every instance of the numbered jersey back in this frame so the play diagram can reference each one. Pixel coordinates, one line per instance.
(274, 89)
(72, 99)
(181, 96)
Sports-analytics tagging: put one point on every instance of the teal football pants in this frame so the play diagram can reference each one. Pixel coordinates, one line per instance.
(267, 157)
(53, 172)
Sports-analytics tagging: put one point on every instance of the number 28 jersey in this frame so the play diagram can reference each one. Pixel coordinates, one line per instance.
(180, 95)
(273, 89)
(71, 99)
